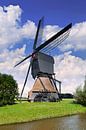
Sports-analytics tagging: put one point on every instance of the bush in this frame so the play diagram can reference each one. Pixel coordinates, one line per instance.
(8, 89)
(80, 95)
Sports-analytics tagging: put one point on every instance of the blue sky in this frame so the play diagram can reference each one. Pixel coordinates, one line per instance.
(56, 12)
(18, 23)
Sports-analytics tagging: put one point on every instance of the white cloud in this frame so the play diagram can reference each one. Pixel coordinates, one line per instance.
(49, 31)
(7, 61)
(76, 39)
(70, 70)
(10, 29)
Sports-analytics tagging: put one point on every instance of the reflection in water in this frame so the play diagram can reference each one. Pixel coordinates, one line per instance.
(77, 122)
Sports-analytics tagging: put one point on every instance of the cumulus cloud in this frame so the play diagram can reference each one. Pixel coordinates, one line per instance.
(7, 61)
(78, 36)
(76, 39)
(11, 30)
(70, 70)
(49, 31)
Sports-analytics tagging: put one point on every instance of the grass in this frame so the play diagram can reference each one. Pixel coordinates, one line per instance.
(23, 112)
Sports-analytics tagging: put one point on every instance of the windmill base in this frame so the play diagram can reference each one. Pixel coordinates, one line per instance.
(44, 89)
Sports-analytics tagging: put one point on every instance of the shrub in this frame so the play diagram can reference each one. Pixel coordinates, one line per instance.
(80, 95)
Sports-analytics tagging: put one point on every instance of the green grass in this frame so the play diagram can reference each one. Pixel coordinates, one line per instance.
(23, 112)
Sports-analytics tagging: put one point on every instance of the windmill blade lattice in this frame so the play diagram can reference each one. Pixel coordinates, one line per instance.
(58, 35)
(56, 42)
(23, 60)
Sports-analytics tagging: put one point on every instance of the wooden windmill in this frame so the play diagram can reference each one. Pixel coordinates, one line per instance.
(42, 66)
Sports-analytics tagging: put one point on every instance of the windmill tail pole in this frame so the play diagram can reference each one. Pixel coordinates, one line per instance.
(60, 87)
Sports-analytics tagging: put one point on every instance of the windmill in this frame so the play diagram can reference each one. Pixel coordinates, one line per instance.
(42, 65)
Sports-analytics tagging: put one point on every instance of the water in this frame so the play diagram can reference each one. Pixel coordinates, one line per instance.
(76, 122)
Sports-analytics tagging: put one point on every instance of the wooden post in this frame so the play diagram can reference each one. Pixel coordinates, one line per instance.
(60, 87)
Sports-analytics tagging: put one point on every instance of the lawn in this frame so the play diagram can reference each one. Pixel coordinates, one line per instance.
(25, 111)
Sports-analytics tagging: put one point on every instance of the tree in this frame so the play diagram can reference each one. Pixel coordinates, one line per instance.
(85, 84)
(8, 89)
(80, 94)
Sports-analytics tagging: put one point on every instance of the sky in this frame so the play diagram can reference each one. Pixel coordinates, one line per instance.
(18, 24)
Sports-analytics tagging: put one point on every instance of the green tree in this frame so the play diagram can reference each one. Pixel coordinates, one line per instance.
(80, 95)
(84, 87)
(8, 89)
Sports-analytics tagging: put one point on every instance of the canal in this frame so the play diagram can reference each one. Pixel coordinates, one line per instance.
(75, 122)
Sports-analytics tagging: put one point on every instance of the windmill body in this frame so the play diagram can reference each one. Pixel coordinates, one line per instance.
(42, 70)
(42, 66)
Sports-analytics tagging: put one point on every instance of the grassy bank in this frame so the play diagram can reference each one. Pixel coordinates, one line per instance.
(23, 112)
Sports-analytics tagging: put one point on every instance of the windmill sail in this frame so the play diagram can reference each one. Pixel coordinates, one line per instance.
(56, 42)
(26, 79)
(39, 33)
(58, 35)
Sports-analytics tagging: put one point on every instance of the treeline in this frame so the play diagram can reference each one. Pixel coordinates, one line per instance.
(66, 95)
